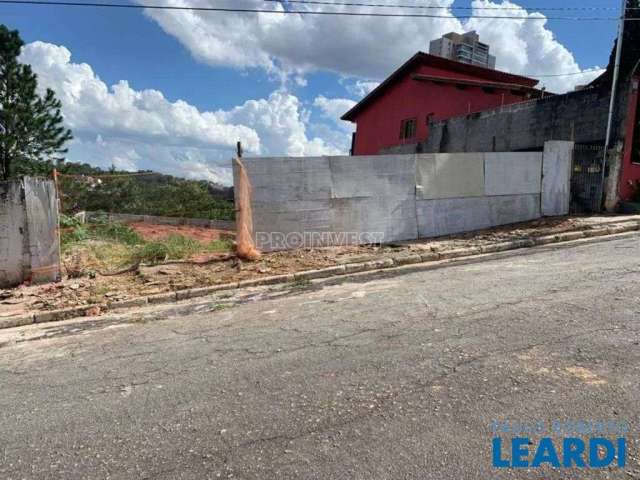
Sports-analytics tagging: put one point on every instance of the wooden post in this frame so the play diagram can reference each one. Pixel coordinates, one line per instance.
(57, 185)
(236, 161)
(245, 247)
(236, 201)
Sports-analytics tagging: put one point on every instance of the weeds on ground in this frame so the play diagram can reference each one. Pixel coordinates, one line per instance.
(177, 247)
(72, 231)
(220, 246)
(117, 232)
(110, 245)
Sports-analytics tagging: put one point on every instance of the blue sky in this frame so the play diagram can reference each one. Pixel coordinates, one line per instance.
(162, 53)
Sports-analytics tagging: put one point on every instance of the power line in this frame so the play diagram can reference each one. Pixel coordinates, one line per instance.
(437, 7)
(296, 12)
(323, 2)
(107, 175)
(595, 70)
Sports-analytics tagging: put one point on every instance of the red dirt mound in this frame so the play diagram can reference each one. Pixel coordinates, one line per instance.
(152, 232)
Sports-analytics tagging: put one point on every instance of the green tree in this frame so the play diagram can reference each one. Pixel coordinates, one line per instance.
(31, 132)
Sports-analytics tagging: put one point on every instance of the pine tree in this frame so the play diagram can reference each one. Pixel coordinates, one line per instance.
(31, 126)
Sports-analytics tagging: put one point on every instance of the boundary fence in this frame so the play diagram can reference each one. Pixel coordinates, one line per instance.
(159, 220)
(322, 201)
(29, 241)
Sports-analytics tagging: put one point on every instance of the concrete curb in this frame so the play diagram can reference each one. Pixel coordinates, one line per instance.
(414, 260)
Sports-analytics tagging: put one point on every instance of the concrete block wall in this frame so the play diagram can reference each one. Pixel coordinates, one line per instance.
(159, 220)
(456, 215)
(29, 241)
(472, 191)
(321, 201)
(12, 234)
(318, 196)
(576, 116)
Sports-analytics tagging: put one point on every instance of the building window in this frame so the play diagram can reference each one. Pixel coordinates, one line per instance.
(408, 128)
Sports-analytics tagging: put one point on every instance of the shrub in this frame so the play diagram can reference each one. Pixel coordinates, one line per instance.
(220, 245)
(174, 247)
(67, 221)
(71, 231)
(118, 232)
(153, 252)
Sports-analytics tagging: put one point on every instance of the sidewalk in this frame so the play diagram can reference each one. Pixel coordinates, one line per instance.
(96, 294)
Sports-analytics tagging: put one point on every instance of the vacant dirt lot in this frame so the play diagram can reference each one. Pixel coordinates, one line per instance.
(153, 232)
(96, 288)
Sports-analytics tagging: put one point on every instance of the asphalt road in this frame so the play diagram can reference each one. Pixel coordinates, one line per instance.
(396, 377)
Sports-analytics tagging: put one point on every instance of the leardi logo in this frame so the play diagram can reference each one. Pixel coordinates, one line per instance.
(570, 444)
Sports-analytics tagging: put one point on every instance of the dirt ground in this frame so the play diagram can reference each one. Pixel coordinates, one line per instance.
(152, 232)
(98, 289)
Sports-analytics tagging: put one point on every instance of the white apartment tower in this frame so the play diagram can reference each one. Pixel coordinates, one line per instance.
(466, 48)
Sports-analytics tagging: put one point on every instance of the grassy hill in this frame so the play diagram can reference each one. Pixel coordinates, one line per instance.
(84, 187)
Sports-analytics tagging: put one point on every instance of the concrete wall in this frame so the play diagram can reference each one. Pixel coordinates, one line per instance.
(29, 242)
(378, 123)
(13, 237)
(576, 116)
(472, 191)
(343, 200)
(580, 117)
(556, 174)
(317, 196)
(158, 220)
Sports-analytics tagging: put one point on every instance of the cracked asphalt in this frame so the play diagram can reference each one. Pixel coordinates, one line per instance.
(385, 377)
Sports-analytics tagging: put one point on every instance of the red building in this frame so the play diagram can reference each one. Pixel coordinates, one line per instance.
(427, 87)
(630, 175)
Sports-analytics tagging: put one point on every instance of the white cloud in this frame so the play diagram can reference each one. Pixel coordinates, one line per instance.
(136, 129)
(90, 105)
(361, 88)
(367, 48)
(529, 47)
(358, 46)
(334, 108)
(281, 123)
(141, 129)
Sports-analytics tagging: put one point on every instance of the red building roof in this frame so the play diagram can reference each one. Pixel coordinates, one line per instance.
(421, 58)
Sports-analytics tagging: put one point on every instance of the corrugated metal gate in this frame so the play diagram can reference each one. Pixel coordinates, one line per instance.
(586, 179)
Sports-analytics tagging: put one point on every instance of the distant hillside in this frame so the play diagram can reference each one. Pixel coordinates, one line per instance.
(84, 187)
